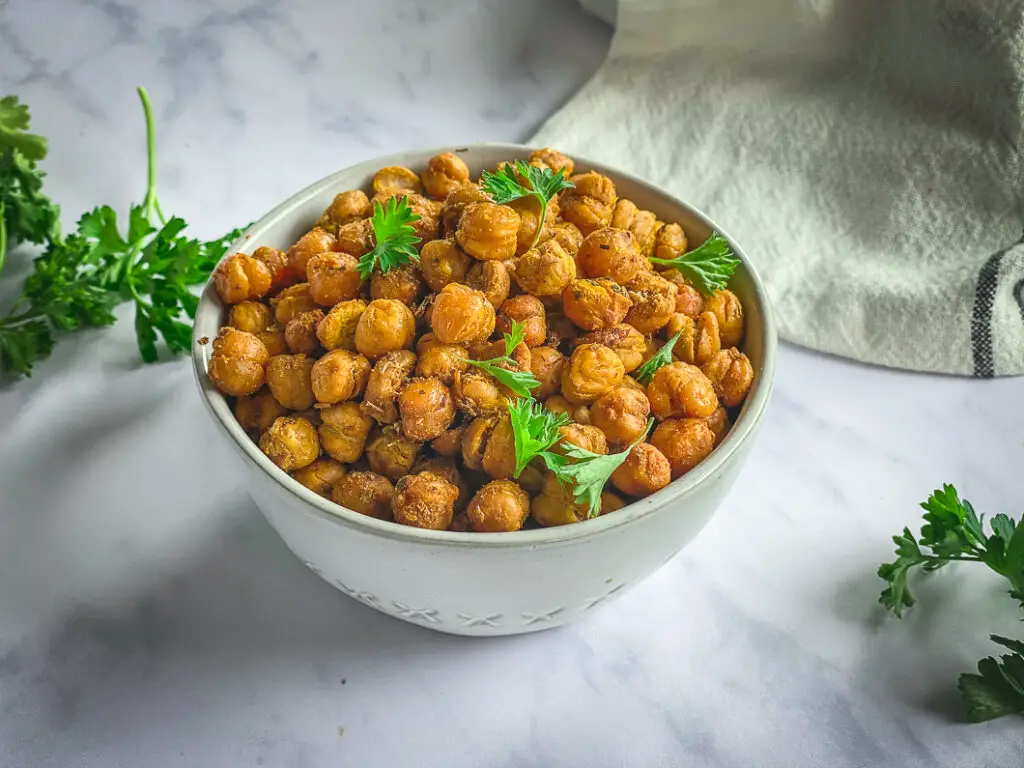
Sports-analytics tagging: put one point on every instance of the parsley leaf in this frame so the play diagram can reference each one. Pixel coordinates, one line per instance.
(505, 369)
(394, 234)
(708, 266)
(998, 688)
(534, 429)
(14, 135)
(504, 186)
(663, 356)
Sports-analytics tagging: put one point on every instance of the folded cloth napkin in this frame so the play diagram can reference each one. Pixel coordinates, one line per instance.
(866, 153)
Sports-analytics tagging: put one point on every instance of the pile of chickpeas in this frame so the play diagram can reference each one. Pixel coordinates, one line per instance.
(361, 391)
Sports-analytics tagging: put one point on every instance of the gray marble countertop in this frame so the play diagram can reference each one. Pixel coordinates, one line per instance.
(149, 616)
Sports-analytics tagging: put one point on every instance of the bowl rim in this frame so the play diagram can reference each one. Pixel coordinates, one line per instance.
(742, 429)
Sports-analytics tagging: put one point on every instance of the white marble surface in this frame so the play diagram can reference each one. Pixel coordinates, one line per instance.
(150, 617)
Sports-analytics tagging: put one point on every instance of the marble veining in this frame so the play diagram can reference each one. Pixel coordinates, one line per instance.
(149, 616)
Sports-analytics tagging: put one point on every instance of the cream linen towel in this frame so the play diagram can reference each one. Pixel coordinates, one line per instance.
(866, 153)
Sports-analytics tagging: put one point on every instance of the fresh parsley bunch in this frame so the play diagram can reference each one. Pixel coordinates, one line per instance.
(954, 532)
(394, 236)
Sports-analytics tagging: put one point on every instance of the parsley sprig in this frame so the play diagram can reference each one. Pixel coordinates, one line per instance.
(709, 266)
(394, 235)
(534, 428)
(504, 186)
(663, 356)
(505, 369)
(954, 532)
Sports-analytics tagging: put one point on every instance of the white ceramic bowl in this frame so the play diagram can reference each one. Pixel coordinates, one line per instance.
(489, 584)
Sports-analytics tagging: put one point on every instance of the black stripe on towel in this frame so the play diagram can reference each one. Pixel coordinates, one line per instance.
(981, 317)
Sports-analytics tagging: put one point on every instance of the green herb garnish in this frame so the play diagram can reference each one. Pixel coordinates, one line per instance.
(663, 356)
(708, 266)
(503, 186)
(394, 235)
(520, 382)
(534, 428)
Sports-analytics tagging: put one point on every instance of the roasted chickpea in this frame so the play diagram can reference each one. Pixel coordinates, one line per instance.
(644, 471)
(445, 173)
(475, 438)
(446, 469)
(314, 242)
(321, 475)
(554, 505)
(499, 457)
(567, 235)
(255, 413)
(443, 262)
(338, 328)
(718, 423)
(461, 315)
(424, 501)
(289, 379)
(292, 301)
(623, 339)
(684, 442)
(442, 362)
(387, 378)
(449, 444)
(367, 493)
(385, 326)
(488, 232)
(238, 361)
(291, 443)
(630, 383)
(731, 375)
(590, 202)
(477, 394)
(546, 364)
(575, 411)
(395, 178)
(333, 277)
(592, 370)
(654, 302)
(689, 301)
(300, 332)
(545, 270)
(611, 253)
(698, 339)
(403, 284)
(455, 204)
(501, 505)
(391, 453)
(355, 238)
(250, 316)
(596, 304)
(681, 389)
(553, 159)
(339, 375)
(529, 311)
(240, 277)
(642, 224)
(729, 312)
(670, 242)
(621, 414)
(273, 339)
(345, 208)
(281, 274)
(561, 330)
(527, 236)
(427, 409)
(585, 436)
(492, 278)
(343, 431)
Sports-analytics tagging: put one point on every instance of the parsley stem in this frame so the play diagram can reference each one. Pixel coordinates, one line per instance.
(150, 201)
(3, 236)
(541, 220)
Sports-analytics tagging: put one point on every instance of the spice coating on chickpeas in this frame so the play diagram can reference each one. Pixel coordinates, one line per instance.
(383, 381)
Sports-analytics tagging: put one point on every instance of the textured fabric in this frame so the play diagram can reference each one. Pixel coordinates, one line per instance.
(864, 152)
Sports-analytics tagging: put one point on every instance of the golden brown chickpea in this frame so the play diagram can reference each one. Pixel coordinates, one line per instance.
(644, 471)
(306, 247)
(289, 379)
(561, 330)
(461, 315)
(455, 204)
(553, 159)
(443, 262)
(355, 238)
(577, 412)
(424, 501)
(250, 316)
(442, 362)
(567, 235)
(643, 225)
(718, 423)
(623, 339)
(698, 339)
(731, 375)
(255, 413)
(291, 443)
(592, 370)
(554, 505)
(546, 364)
(292, 301)
(729, 312)
(395, 178)
(684, 442)
(475, 438)
(654, 302)
(281, 274)
(681, 389)
(611, 253)
(590, 203)
(477, 394)
(499, 506)
(670, 242)
(545, 270)
(388, 377)
(338, 328)
(499, 457)
(345, 208)
(492, 278)
(595, 304)
(446, 469)
(585, 436)
(488, 232)
(367, 493)
(391, 453)
(343, 431)
(403, 284)
(689, 301)
(386, 325)
(300, 332)
(321, 475)
(241, 277)
(445, 173)
(237, 365)
(427, 409)
(339, 375)
(622, 415)
(449, 444)
(528, 209)
(529, 311)
(333, 277)
(273, 339)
